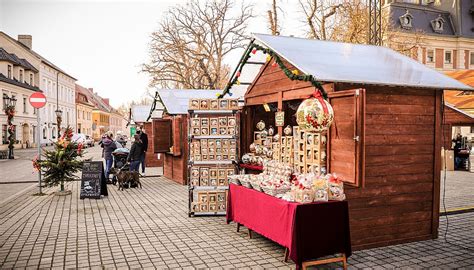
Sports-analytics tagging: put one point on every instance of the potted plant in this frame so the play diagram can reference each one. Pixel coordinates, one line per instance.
(62, 163)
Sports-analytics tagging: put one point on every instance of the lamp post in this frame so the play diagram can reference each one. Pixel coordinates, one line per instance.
(9, 107)
(59, 114)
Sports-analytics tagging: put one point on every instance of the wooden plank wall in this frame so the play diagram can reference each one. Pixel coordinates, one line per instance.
(456, 118)
(396, 204)
(175, 165)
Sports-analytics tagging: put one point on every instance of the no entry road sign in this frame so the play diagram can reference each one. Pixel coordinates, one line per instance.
(37, 100)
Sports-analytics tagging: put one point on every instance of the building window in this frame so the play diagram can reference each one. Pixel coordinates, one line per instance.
(9, 74)
(430, 56)
(471, 58)
(21, 75)
(438, 24)
(31, 79)
(447, 57)
(44, 133)
(25, 108)
(406, 20)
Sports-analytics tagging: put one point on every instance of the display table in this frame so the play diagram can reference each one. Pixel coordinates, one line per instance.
(309, 231)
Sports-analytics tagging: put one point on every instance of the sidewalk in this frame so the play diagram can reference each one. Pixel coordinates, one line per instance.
(149, 227)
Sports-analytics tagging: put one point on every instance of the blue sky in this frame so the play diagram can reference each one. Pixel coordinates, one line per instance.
(103, 43)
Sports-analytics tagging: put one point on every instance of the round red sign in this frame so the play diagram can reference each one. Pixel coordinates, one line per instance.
(37, 100)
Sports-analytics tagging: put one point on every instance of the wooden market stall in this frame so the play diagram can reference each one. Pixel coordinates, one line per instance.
(386, 132)
(170, 134)
(454, 117)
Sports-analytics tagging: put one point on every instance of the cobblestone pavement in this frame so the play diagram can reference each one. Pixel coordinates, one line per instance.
(458, 185)
(150, 228)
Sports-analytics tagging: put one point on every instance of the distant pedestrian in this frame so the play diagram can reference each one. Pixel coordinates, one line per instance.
(144, 140)
(108, 146)
(135, 154)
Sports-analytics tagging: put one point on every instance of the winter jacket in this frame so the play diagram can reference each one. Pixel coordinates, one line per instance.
(144, 139)
(109, 146)
(135, 152)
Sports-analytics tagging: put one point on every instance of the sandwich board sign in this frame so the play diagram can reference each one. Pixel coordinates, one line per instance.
(93, 183)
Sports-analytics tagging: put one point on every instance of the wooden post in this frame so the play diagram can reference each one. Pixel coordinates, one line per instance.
(286, 255)
(280, 108)
(238, 227)
(341, 258)
(437, 164)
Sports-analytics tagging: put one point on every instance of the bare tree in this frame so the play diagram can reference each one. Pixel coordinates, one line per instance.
(274, 27)
(189, 46)
(320, 17)
(348, 21)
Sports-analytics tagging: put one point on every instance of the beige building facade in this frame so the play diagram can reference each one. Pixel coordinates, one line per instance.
(444, 29)
(18, 79)
(84, 109)
(56, 84)
(116, 123)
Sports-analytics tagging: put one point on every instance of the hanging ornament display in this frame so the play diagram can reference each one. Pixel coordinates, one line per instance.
(314, 114)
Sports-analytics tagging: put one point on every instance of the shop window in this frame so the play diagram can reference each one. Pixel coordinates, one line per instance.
(163, 142)
(447, 57)
(430, 56)
(471, 58)
(346, 138)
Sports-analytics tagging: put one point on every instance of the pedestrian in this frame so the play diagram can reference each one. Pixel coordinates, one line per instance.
(136, 151)
(108, 146)
(144, 140)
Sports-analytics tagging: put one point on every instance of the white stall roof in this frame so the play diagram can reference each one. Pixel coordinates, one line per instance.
(140, 113)
(353, 63)
(176, 101)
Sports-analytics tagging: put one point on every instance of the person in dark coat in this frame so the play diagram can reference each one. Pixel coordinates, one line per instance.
(108, 146)
(144, 140)
(135, 153)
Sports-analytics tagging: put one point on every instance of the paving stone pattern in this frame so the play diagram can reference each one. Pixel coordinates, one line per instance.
(150, 228)
(458, 191)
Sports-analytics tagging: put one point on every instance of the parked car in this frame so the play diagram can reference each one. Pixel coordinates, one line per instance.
(89, 141)
(79, 138)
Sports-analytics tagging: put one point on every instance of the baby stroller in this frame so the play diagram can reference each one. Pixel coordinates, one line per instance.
(120, 161)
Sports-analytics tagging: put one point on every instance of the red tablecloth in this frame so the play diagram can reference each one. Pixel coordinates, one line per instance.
(309, 231)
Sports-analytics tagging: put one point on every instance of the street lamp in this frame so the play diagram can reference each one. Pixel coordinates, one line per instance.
(9, 107)
(59, 114)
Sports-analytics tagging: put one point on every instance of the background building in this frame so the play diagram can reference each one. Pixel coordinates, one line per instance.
(56, 84)
(18, 79)
(84, 109)
(446, 28)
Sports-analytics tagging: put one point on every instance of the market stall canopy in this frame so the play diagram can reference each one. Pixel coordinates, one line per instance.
(176, 101)
(140, 113)
(331, 61)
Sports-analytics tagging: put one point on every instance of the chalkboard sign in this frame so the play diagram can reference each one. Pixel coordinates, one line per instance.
(93, 180)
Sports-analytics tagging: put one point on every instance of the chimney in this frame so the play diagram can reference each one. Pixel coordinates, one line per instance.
(26, 40)
(106, 100)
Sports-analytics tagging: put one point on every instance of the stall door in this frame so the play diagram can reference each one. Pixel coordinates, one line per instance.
(346, 135)
(162, 139)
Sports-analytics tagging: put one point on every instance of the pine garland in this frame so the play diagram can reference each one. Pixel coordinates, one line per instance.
(10, 112)
(289, 73)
